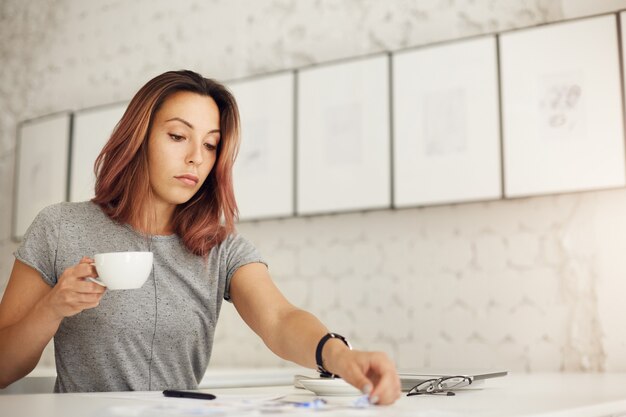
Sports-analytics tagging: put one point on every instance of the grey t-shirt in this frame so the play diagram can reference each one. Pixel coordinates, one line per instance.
(156, 337)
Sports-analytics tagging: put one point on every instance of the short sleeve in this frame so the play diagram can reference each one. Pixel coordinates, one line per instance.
(237, 251)
(39, 245)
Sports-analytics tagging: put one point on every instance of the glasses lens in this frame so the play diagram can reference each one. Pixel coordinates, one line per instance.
(440, 385)
(454, 382)
(423, 387)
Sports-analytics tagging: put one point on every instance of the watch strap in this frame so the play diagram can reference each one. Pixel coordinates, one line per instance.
(318, 353)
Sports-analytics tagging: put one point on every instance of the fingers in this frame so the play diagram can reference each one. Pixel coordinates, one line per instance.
(82, 300)
(86, 260)
(378, 371)
(77, 275)
(72, 293)
(72, 302)
(89, 300)
(355, 376)
(387, 390)
(80, 271)
(88, 287)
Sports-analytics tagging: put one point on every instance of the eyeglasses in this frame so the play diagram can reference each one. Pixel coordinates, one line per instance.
(440, 385)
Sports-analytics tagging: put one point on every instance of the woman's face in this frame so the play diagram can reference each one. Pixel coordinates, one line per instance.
(182, 146)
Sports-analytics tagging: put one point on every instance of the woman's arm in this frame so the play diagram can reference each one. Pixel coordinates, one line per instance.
(31, 312)
(293, 334)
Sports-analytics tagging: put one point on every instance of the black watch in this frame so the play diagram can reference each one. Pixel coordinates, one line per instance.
(318, 354)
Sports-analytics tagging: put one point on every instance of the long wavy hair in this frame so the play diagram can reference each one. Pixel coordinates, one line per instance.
(122, 182)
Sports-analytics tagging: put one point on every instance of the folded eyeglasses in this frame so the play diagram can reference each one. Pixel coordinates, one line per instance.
(441, 386)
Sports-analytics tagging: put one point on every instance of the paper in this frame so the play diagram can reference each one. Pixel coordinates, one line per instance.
(154, 404)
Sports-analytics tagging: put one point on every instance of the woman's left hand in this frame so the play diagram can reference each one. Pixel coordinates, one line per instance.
(371, 372)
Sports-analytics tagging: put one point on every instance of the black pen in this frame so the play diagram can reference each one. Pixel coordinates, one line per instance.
(188, 394)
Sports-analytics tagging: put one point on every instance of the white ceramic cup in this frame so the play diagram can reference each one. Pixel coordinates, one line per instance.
(122, 270)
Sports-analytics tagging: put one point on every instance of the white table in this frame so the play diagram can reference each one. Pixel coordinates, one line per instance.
(545, 395)
(41, 380)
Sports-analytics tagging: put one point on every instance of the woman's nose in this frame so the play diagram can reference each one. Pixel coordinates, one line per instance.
(195, 155)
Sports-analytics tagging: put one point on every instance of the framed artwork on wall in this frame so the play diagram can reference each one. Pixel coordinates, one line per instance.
(343, 141)
(41, 168)
(264, 170)
(446, 123)
(91, 129)
(562, 108)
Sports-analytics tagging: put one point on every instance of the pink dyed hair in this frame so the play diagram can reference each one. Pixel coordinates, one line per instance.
(122, 183)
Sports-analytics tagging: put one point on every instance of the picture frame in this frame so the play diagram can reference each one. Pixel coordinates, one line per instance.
(343, 142)
(264, 170)
(446, 124)
(91, 129)
(555, 79)
(41, 177)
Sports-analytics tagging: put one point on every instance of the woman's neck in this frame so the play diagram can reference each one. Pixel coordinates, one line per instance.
(156, 219)
(160, 229)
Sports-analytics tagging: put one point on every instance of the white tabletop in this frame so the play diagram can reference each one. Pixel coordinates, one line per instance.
(544, 395)
(41, 380)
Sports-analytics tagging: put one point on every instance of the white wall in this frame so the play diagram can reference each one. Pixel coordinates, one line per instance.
(531, 284)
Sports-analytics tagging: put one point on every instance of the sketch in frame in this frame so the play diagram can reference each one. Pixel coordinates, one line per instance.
(446, 124)
(263, 173)
(562, 108)
(91, 130)
(41, 168)
(343, 143)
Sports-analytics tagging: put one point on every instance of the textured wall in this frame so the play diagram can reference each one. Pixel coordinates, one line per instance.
(530, 284)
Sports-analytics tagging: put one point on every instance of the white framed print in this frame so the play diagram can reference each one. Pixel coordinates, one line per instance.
(41, 168)
(343, 140)
(562, 108)
(91, 129)
(263, 173)
(446, 124)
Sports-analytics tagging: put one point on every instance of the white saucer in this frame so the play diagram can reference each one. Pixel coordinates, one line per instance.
(329, 387)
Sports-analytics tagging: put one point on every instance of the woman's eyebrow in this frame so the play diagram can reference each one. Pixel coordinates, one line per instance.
(180, 120)
(190, 125)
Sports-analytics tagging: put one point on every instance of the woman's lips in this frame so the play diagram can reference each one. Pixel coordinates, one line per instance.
(188, 179)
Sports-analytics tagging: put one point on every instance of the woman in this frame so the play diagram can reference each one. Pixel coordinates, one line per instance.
(164, 184)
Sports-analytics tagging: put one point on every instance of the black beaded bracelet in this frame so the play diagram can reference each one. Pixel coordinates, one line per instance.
(318, 354)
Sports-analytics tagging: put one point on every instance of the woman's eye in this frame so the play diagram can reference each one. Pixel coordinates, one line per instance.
(210, 146)
(176, 138)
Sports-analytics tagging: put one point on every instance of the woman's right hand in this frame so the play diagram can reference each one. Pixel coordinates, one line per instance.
(73, 293)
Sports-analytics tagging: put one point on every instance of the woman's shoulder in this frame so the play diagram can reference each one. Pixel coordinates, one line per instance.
(231, 238)
(75, 212)
(64, 209)
(235, 242)
(53, 217)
